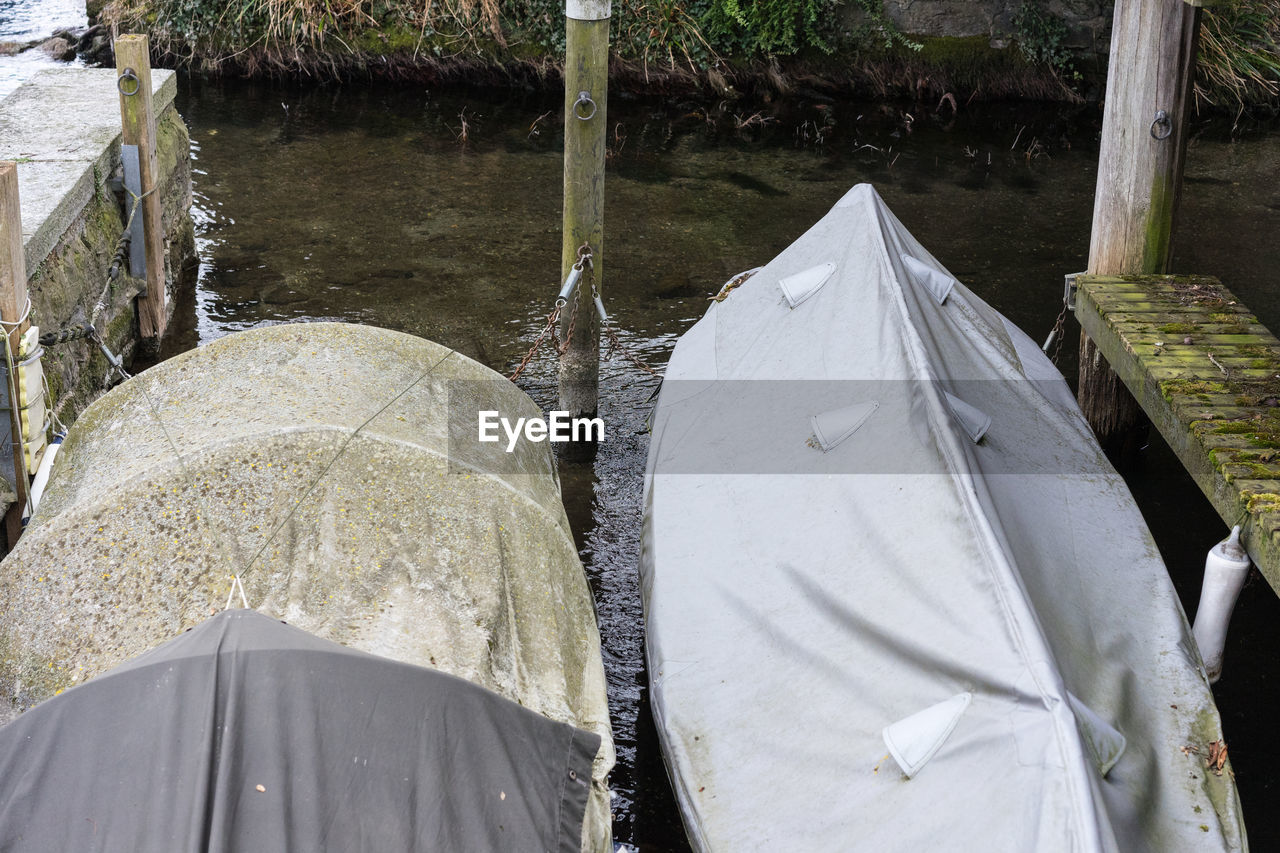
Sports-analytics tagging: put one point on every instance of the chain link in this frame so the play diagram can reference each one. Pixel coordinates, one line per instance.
(615, 344)
(1056, 335)
(552, 319)
(584, 268)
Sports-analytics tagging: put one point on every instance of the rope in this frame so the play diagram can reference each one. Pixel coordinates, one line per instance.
(18, 445)
(298, 503)
(734, 283)
(236, 583)
(75, 333)
(14, 324)
(101, 304)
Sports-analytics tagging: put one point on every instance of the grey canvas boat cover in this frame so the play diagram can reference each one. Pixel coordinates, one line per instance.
(335, 469)
(896, 598)
(247, 734)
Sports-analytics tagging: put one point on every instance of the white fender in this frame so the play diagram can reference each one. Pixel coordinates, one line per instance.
(1225, 570)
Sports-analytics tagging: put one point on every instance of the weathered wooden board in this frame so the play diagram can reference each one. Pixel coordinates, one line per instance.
(1212, 388)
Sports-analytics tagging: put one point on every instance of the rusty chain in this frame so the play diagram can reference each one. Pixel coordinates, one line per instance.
(615, 344)
(583, 268)
(552, 319)
(1056, 334)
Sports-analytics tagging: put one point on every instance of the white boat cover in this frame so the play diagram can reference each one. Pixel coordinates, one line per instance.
(896, 598)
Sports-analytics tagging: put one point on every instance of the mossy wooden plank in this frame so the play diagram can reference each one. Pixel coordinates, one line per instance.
(1222, 343)
(1173, 369)
(1161, 299)
(1214, 400)
(1187, 354)
(1224, 407)
(1228, 314)
(1187, 317)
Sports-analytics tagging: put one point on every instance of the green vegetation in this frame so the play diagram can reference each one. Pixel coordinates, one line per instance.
(695, 39)
(1239, 60)
(1042, 38)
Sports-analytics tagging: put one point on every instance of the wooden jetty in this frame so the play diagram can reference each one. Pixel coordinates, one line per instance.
(1207, 374)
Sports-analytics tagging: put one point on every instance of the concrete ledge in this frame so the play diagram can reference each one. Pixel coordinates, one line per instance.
(63, 126)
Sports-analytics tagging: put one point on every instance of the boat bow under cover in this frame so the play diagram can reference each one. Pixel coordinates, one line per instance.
(872, 503)
(334, 469)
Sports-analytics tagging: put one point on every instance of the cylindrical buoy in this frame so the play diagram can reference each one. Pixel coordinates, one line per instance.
(1225, 570)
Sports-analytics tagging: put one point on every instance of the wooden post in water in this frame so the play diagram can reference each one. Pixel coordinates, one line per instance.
(1144, 143)
(138, 117)
(586, 84)
(13, 308)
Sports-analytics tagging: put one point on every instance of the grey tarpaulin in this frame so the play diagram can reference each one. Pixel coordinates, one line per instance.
(247, 734)
(335, 467)
(870, 497)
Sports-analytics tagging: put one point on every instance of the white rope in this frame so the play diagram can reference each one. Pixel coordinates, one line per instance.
(236, 584)
(26, 315)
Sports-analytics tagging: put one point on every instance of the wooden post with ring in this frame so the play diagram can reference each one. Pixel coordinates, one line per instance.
(137, 115)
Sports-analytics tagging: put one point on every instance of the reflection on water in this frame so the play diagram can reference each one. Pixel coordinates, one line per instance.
(28, 20)
(439, 215)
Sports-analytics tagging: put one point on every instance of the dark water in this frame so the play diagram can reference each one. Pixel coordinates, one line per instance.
(28, 20)
(438, 214)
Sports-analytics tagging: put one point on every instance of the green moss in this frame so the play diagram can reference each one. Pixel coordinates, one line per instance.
(397, 40)
(1248, 471)
(1189, 387)
(1179, 328)
(1258, 502)
(1159, 225)
(1235, 428)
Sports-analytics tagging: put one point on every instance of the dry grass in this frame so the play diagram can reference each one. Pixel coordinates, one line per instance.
(1239, 59)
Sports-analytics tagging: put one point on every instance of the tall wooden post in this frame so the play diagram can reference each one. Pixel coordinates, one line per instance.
(13, 309)
(586, 83)
(138, 117)
(1144, 143)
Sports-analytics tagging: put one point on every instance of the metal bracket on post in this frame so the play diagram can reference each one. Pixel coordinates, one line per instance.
(1069, 290)
(133, 191)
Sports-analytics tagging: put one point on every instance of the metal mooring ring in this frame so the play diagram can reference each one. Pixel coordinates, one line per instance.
(128, 74)
(584, 98)
(1161, 127)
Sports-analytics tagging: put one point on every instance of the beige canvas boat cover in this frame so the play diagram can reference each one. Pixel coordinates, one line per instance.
(330, 467)
(896, 598)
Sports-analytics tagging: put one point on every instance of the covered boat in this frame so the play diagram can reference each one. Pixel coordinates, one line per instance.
(896, 598)
(247, 734)
(333, 469)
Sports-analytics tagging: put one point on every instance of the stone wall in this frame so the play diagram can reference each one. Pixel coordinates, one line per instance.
(1088, 22)
(63, 129)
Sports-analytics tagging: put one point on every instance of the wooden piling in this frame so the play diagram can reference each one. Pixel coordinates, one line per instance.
(13, 309)
(1144, 141)
(585, 94)
(138, 118)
